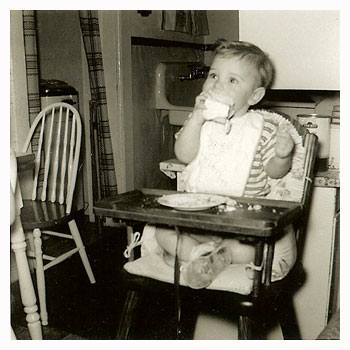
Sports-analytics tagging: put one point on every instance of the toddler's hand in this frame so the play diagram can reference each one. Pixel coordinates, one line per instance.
(199, 108)
(209, 108)
(284, 143)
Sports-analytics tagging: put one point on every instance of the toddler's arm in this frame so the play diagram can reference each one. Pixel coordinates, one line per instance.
(280, 164)
(187, 142)
(207, 107)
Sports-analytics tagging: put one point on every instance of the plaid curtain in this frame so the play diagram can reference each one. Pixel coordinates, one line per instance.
(33, 74)
(103, 164)
(32, 65)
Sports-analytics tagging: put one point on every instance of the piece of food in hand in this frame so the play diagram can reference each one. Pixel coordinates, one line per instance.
(215, 109)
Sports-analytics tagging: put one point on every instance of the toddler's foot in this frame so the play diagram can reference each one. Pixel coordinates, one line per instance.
(200, 272)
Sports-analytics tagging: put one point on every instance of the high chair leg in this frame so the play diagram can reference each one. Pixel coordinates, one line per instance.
(245, 328)
(126, 318)
(79, 243)
(288, 320)
(40, 276)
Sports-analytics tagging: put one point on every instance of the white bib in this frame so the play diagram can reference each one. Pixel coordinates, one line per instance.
(223, 162)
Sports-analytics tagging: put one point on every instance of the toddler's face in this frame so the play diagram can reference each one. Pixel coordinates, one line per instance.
(232, 81)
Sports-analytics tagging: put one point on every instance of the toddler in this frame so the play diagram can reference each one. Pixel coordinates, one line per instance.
(230, 150)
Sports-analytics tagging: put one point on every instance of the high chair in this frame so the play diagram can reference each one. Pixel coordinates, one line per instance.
(57, 130)
(265, 302)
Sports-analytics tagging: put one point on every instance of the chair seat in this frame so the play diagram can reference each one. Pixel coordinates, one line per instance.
(294, 280)
(234, 278)
(43, 215)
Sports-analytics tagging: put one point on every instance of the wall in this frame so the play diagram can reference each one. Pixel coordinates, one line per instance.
(222, 25)
(304, 46)
(59, 41)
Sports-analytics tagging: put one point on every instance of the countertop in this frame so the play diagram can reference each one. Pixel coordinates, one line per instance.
(327, 178)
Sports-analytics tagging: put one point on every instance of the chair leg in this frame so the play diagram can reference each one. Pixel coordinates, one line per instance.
(188, 319)
(26, 287)
(126, 317)
(79, 243)
(245, 327)
(288, 319)
(40, 276)
(30, 248)
(251, 326)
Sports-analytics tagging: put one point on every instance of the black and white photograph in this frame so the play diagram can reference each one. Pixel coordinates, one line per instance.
(131, 215)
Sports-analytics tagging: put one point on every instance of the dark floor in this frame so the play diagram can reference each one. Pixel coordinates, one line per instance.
(80, 310)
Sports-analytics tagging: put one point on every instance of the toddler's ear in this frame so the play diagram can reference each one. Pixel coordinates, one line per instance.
(256, 96)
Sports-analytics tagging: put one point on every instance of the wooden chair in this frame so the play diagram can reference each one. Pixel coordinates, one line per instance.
(18, 245)
(58, 132)
(268, 301)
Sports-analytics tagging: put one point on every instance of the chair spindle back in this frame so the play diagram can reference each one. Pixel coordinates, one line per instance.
(57, 153)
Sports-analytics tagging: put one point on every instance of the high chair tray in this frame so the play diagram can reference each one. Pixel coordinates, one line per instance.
(251, 217)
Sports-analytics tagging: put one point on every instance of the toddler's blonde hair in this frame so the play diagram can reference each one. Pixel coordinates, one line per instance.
(251, 54)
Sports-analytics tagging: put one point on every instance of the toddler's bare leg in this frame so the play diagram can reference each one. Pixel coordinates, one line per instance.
(167, 238)
(202, 270)
(242, 253)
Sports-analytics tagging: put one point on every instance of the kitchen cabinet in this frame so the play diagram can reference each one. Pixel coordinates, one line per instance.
(304, 46)
(313, 301)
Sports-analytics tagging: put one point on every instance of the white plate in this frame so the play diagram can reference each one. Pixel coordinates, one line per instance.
(191, 201)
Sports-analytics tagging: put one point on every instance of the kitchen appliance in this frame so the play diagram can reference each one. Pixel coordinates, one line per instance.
(52, 91)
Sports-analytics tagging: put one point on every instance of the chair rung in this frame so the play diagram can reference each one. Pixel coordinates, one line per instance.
(30, 254)
(61, 258)
(48, 257)
(57, 234)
